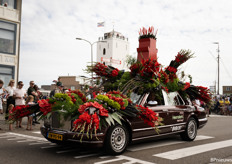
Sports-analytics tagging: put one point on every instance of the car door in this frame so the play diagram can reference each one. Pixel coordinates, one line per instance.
(176, 108)
(141, 129)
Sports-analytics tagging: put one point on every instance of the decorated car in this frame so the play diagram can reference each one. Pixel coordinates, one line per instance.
(178, 117)
(148, 101)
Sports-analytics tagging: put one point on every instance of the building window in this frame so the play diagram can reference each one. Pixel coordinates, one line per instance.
(7, 37)
(10, 3)
(228, 88)
(6, 73)
(104, 51)
(72, 88)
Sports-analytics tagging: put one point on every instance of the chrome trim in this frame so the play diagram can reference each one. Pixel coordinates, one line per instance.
(66, 131)
(142, 129)
(135, 139)
(85, 141)
(203, 119)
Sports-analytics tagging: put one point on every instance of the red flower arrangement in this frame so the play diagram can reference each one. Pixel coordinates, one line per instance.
(79, 93)
(150, 68)
(118, 93)
(171, 69)
(102, 110)
(118, 100)
(102, 70)
(45, 106)
(186, 86)
(114, 72)
(163, 76)
(165, 88)
(203, 94)
(20, 111)
(144, 33)
(149, 116)
(182, 57)
(135, 68)
(86, 121)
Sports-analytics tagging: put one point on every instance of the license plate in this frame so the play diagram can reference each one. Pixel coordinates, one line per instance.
(55, 136)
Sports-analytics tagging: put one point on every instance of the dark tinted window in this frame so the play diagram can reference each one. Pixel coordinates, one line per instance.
(156, 96)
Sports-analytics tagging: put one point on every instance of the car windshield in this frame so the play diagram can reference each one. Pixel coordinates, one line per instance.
(135, 97)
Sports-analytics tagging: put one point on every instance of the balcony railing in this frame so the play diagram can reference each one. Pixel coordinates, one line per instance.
(9, 14)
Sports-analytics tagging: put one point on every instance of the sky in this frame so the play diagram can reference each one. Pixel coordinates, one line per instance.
(49, 28)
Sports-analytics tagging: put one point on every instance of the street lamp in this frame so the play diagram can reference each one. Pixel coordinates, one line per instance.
(218, 64)
(91, 44)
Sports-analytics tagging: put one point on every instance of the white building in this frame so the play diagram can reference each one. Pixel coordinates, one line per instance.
(113, 50)
(10, 24)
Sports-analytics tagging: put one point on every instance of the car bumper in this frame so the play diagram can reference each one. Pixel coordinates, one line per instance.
(68, 136)
(202, 122)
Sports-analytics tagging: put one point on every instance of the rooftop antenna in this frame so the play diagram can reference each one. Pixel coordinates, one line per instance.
(113, 25)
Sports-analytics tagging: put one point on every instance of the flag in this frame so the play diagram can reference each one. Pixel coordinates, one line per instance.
(100, 24)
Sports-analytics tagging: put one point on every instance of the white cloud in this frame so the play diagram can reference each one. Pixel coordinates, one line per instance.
(49, 29)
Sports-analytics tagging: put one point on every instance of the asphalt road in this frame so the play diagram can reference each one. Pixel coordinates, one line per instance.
(213, 143)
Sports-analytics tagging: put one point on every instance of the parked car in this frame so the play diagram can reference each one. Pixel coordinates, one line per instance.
(179, 117)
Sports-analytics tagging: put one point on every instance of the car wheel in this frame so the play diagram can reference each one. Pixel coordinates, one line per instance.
(190, 132)
(116, 140)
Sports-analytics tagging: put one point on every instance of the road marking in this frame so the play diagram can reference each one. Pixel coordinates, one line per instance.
(39, 143)
(48, 147)
(65, 151)
(106, 156)
(87, 155)
(37, 132)
(163, 143)
(27, 140)
(27, 136)
(16, 138)
(214, 115)
(185, 152)
(7, 137)
(122, 157)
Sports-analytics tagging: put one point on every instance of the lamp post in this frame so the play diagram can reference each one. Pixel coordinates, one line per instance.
(218, 58)
(91, 44)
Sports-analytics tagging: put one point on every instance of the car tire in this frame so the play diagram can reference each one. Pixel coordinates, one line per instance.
(116, 140)
(190, 132)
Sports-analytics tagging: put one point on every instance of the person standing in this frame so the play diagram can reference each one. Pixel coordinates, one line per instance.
(2, 93)
(38, 93)
(10, 100)
(31, 91)
(10, 108)
(30, 100)
(19, 96)
(59, 89)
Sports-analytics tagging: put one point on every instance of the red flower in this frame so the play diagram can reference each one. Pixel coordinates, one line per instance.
(114, 73)
(187, 85)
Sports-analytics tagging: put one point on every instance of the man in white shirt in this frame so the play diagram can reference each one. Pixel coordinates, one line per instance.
(19, 95)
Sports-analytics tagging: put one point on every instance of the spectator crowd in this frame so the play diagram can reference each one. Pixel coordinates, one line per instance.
(222, 105)
(12, 96)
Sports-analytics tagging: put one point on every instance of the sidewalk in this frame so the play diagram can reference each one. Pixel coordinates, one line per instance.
(5, 126)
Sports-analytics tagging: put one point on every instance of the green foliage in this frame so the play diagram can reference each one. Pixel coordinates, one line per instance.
(174, 85)
(130, 60)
